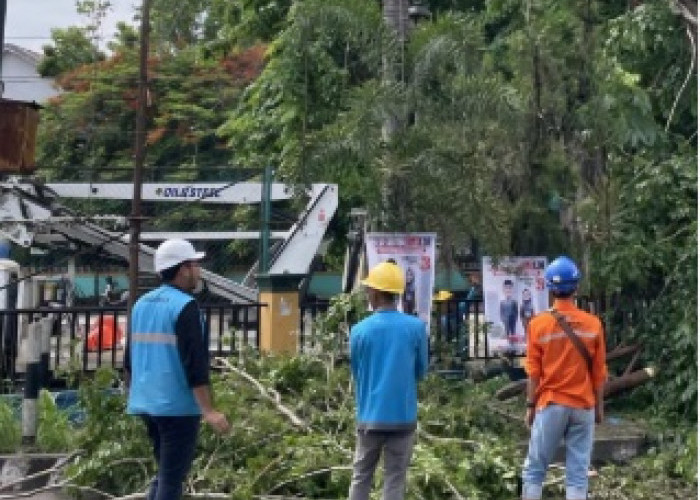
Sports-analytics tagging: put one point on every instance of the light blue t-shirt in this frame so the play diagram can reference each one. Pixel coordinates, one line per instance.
(388, 356)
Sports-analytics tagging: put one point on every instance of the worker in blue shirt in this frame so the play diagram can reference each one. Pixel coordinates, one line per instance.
(388, 356)
(167, 365)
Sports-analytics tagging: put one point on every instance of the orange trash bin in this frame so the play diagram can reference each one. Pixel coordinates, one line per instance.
(106, 328)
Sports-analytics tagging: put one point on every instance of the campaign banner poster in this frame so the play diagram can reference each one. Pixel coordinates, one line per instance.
(514, 291)
(415, 254)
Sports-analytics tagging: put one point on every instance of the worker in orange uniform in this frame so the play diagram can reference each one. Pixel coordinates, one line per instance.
(566, 372)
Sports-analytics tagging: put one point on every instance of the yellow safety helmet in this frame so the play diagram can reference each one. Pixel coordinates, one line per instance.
(387, 277)
(442, 296)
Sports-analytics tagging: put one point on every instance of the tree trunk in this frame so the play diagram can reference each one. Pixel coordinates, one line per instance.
(629, 381)
(612, 387)
(395, 14)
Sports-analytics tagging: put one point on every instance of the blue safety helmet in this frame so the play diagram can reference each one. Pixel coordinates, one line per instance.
(562, 275)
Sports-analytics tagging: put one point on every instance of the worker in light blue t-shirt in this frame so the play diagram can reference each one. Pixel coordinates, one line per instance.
(388, 356)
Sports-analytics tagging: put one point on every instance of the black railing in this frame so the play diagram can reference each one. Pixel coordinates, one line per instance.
(457, 328)
(84, 339)
(620, 315)
(458, 331)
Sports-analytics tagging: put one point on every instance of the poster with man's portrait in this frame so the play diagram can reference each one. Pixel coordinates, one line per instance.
(415, 255)
(514, 292)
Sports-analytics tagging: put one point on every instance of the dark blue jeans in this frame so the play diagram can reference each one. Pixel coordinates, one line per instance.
(174, 440)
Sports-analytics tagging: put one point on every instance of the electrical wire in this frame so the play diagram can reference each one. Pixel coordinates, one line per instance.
(94, 249)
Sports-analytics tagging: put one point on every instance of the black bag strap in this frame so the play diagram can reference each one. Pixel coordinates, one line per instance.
(578, 343)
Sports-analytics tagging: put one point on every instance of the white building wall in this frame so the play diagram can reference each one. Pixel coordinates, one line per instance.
(22, 82)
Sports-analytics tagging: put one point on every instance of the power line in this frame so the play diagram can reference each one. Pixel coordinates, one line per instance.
(94, 249)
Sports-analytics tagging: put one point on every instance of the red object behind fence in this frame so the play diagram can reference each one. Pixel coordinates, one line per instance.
(106, 328)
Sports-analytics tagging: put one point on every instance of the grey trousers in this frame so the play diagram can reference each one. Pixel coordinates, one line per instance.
(397, 447)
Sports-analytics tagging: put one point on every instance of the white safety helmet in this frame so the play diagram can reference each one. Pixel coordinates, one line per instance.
(173, 252)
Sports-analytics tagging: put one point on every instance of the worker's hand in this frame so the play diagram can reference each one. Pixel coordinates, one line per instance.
(217, 420)
(529, 417)
(599, 414)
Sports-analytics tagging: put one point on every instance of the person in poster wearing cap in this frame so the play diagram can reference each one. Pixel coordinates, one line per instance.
(167, 365)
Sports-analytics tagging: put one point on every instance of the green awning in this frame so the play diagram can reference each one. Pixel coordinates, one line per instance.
(325, 285)
(452, 281)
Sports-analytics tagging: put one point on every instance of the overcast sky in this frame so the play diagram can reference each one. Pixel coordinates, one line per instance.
(29, 22)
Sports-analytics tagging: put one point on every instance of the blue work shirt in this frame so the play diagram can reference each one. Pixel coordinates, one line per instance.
(388, 356)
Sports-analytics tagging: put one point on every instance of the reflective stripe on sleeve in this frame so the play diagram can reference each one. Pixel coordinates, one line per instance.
(154, 338)
(560, 335)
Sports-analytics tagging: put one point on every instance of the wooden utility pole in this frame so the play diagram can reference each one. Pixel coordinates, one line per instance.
(3, 12)
(139, 157)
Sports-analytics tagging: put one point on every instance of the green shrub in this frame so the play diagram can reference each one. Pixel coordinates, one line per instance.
(54, 432)
(11, 434)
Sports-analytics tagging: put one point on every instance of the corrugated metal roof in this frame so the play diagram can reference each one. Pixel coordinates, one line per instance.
(21, 52)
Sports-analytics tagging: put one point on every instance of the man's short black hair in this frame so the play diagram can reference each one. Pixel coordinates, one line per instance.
(388, 296)
(563, 295)
(170, 273)
(508, 282)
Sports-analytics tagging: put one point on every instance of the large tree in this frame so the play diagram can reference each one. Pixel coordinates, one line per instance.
(537, 127)
(70, 48)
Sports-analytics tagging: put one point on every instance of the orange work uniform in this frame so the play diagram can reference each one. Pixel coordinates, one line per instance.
(552, 358)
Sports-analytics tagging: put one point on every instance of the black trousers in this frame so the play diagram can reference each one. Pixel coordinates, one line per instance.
(174, 440)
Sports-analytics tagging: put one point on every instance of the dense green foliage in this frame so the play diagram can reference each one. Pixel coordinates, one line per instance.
(71, 49)
(539, 127)
(11, 430)
(54, 432)
(265, 453)
(466, 444)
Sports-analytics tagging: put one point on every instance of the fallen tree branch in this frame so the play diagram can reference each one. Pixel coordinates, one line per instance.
(685, 12)
(440, 439)
(285, 497)
(60, 464)
(266, 469)
(556, 480)
(612, 387)
(511, 390)
(309, 474)
(142, 496)
(632, 363)
(620, 351)
(454, 491)
(628, 381)
(505, 414)
(264, 391)
(203, 470)
(687, 77)
(68, 482)
(58, 486)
